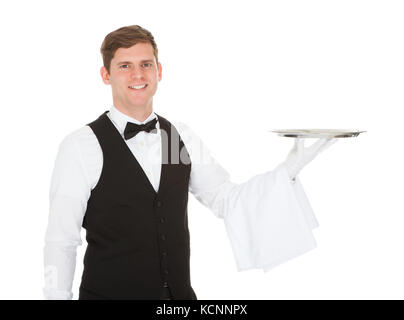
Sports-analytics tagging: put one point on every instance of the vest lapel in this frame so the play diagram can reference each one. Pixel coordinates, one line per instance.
(129, 153)
(170, 172)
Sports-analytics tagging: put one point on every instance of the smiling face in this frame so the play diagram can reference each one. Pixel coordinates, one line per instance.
(134, 76)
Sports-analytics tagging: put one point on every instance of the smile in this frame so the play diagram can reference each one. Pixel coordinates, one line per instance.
(138, 87)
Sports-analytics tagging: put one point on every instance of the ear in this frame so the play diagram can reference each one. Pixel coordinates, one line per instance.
(159, 71)
(104, 75)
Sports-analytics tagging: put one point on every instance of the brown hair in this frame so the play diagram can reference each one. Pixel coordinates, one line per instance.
(125, 37)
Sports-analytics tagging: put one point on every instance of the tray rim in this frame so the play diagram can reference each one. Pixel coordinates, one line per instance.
(333, 133)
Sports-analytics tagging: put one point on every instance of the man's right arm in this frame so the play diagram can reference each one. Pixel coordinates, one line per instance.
(69, 193)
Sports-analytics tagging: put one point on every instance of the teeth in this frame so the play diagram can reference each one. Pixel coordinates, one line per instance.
(138, 87)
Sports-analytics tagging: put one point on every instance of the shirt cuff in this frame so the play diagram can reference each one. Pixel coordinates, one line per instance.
(54, 294)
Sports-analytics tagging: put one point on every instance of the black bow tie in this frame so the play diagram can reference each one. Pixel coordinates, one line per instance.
(133, 129)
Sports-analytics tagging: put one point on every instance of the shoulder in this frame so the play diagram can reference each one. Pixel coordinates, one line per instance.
(200, 153)
(186, 133)
(80, 140)
(79, 136)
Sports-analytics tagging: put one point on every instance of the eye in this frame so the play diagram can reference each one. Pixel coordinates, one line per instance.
(147, 65)
(124, 66)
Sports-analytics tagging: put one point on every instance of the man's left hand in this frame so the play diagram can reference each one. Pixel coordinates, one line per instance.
(299, 156)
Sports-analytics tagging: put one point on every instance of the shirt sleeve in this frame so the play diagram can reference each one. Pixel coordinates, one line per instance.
(268, 218)
(69, 193)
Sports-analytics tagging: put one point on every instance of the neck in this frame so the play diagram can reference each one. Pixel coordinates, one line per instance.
(138, 113)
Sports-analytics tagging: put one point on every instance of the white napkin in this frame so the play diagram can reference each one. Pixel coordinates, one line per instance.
(269, 221)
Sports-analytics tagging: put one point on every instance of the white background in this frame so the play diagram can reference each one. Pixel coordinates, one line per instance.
(231, 70)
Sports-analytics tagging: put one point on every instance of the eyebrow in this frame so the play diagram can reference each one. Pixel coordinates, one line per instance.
(129, 62)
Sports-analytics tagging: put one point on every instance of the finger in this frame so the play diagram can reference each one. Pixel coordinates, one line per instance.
(299, 145)
(323, 144)
(328, 144)
(294, 148)
(315, 147)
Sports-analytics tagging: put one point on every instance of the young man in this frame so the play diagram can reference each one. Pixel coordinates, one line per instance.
(125, 178)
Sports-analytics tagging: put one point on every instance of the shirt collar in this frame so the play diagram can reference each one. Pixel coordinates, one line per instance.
(120, 119)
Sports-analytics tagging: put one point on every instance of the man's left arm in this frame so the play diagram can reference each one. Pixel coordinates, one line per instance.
(268, 218)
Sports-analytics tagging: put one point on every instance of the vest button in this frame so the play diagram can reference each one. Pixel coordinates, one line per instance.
(165, 271)
(165, 284)
(164, 254)
(162, 220)
(159, 204)
(163, 237)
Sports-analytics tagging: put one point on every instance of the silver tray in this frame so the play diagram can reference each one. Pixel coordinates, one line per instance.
(317, 133)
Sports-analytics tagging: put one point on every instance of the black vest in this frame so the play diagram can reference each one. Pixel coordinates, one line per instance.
(138, 239)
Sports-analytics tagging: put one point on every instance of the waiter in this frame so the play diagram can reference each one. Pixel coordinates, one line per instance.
(125, 178)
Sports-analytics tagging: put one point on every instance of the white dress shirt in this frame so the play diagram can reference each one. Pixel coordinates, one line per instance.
(268, 218)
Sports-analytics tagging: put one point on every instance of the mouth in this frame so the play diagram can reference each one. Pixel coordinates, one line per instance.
(139, 87)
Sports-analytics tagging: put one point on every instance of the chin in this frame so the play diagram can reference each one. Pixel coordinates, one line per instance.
(139, 103)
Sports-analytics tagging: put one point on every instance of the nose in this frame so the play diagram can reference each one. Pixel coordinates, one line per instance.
(137, 73)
